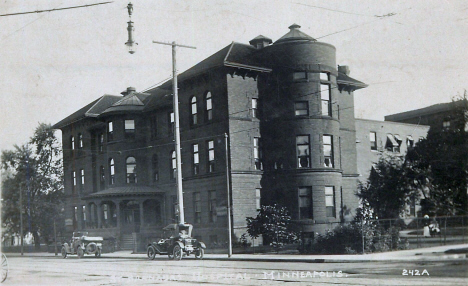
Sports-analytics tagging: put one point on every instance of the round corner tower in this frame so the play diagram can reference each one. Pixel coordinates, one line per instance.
(300, 130)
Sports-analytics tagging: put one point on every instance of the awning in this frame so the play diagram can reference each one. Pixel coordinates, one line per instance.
(392, 140)
(131, 190)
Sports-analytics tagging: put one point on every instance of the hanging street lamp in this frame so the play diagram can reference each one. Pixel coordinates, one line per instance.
(131, 44)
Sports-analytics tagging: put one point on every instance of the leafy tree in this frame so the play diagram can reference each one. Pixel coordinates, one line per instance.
(274, 224)
(386, 190)
(35, 170)
(438, 165)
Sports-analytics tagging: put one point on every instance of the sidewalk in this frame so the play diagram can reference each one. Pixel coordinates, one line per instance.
(439, 253)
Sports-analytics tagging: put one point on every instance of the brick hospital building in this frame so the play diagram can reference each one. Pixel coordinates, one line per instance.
(273, 122)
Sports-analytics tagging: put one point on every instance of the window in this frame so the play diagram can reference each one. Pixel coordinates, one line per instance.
(80, 140)
(194, 111)
(212, 205)
(299, 76)
(173, 165)
(155, 166)
(154, 126)
(82, 179)
(209, 107)
(83, 211)
(305, 203)
(409, 141)
(72, 142)
(110, 131)
(330, 201)
(170, 121)
(257, 150)
(258, 198)
(197, 207)
(111, 172)
(301, 108)
(328, 151)
(196, 159)
(392, 144)
(102, 178)
(325, 94)
(254, 108)
(211, 156)
(105, 211)
(398, 140)
(101, 143)
(303, 151)
(446, 124)
(131, 170)
(129, 128)
(73, 177)
(373, 140)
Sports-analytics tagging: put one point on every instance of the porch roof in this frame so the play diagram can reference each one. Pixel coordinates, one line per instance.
(130, 190)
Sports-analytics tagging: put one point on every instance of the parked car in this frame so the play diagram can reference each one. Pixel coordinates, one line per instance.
(82, 244)
(179, 244)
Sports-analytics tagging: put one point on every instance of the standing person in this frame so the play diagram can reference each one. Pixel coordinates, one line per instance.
(426, 222)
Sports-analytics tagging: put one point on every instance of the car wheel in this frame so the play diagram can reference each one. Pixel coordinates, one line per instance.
(64, 252)
(199, 253)
(170, 255)
(98, 252)
(177, 252)
(80, 252)
(151, 252)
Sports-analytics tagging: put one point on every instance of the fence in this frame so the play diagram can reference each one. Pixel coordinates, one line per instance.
(387, 235)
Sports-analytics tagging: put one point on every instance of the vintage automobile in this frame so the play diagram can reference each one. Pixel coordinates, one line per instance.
(82, 244)
(179, 244)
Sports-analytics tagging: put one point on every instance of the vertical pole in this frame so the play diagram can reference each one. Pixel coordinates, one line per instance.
(21, 221)
(55, 239)
(445, 231)
(417, 233)
(362, 231)
(180, 194)
(228, 197)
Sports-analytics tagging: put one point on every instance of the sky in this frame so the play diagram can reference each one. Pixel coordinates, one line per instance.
(413, 55)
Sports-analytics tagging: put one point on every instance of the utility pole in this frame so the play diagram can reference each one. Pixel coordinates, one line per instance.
(21, 219)
(228, 197)
(180, 194)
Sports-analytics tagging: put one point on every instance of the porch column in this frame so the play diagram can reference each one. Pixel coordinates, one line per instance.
(117, 212)
(99, 214)
(88, 216)
(142, 219)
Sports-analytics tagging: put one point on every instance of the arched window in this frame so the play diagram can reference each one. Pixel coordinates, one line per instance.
(173, 165)
(80, 140)
(193, 111)
(111, 172)
(155, 165)
(208, 107)
(72, 142)
(131, 170)
(102, 178)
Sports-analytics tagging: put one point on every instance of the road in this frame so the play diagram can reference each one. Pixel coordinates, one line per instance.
(49, 270)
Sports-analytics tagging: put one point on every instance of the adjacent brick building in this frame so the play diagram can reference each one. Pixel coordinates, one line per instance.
(284, 111)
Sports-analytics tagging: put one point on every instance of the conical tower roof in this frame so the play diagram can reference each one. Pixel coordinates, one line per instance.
(295, 35)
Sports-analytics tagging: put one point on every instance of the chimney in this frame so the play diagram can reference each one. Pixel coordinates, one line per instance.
(343, 69)
(129, 90)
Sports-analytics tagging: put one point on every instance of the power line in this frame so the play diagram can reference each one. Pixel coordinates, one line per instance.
(55, 9)
(334, 10)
